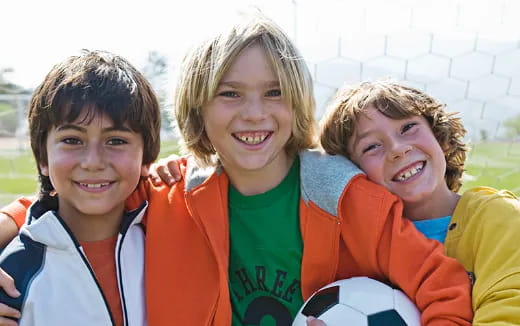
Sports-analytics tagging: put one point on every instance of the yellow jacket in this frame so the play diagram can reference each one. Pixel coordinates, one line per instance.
(484, 235)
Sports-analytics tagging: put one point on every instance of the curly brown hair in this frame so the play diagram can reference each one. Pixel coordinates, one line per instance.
(395, 101)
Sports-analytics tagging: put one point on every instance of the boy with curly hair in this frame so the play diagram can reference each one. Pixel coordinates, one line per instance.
(406, 141)
(252, 230)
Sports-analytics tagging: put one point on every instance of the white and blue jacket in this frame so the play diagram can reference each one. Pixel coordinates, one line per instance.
(58, 284)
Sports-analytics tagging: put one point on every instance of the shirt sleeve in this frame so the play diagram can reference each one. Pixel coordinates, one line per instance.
(17, 210)
(490, 244)
(383, 243)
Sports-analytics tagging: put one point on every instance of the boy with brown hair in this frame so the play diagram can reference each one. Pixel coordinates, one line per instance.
(79, 257)
(252, 229)
(405, 140)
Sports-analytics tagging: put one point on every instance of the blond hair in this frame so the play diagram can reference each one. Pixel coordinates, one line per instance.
(203, 68)
(395, 101)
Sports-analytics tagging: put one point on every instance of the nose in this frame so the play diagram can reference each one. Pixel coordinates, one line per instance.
(254, 109)
(398, 149)
(93, 158)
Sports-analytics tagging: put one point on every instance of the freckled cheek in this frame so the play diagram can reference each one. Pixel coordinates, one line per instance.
(374, 170)
(212, 130)
(60, 169)
(216, 120)
(126, 162)
(431, 142)
(63, 161)
(284, 111)
(285, 116)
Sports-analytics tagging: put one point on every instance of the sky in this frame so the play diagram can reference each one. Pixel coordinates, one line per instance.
(331, 35)
(38, 34)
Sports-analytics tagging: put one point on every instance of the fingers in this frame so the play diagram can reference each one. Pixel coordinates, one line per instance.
(175, 171)
(7, 283)
(160, 174)
(7, 322)
(311, 321)
(165, 175)
(154, 175)
(6, 311)
(165, 171)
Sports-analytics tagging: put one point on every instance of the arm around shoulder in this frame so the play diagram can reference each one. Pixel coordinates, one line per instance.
(394, 249)
(17, 210)
(8, 230)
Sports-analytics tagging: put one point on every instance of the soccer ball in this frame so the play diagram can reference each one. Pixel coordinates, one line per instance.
(359, 301)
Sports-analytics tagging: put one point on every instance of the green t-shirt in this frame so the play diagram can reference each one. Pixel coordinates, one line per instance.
(266, 253)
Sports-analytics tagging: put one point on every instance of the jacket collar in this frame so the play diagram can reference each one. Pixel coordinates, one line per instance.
(324, 187)
(43, 224)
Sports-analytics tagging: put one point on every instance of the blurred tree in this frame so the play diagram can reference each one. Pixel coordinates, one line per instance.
(156, 65)
(513, 127)
(6, 87)
(7, 114)
(13, 103)
(2, 79)
(484, 135)
(156, 71)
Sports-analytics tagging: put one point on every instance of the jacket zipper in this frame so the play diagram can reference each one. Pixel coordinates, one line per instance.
(120, 279)
(119, 247)
(87, 264)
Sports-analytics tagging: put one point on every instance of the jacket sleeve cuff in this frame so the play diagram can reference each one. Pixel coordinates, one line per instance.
(17, 210)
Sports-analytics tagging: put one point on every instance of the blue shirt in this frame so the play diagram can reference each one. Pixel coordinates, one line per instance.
(435, 228)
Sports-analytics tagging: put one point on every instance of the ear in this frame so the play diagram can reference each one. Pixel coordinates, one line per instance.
(145, 170)
(44, 169)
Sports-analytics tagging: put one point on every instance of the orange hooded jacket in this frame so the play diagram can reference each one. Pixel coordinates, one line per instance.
(350, 227)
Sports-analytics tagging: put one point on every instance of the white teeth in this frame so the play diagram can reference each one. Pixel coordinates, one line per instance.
(94, 185)
(252, 140)
(410, 173)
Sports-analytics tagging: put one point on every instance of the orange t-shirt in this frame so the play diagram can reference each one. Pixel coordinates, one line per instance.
(101, 255)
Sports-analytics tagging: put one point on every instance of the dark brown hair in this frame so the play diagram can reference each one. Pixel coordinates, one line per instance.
(101, 83)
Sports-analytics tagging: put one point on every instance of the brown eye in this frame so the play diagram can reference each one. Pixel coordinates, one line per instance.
(117, 141)
(407, 127)
(369, 148)
(274, 93)
(71, 141)
(228, 94)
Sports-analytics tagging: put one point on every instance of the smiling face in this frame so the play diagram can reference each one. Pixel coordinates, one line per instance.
(401, 155)
(93, 167)
(248, 122)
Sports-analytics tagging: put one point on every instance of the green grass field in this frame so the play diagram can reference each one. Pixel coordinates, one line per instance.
(492, 164)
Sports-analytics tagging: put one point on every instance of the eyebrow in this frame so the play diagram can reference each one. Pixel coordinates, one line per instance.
(71, 126)
(364, 134)
(236, 84)
(358, 138)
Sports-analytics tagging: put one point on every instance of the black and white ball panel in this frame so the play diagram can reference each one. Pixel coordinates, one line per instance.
(359, 301)
(321, 301)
